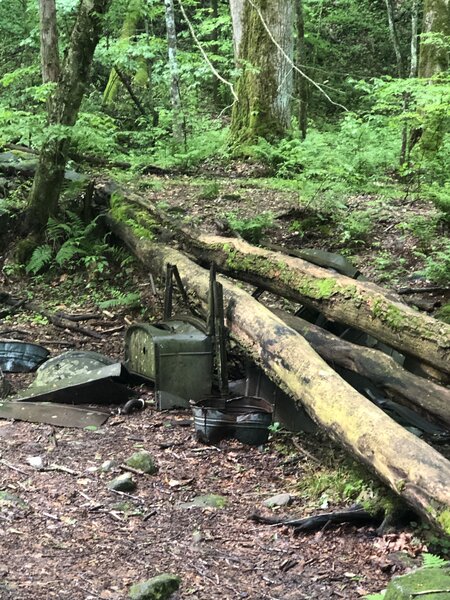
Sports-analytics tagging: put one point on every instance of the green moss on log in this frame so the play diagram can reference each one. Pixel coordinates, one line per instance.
(141, 222)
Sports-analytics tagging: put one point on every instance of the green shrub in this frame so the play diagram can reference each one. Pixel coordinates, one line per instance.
(251, 229)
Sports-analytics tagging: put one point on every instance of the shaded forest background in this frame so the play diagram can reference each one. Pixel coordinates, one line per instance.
(360, 122)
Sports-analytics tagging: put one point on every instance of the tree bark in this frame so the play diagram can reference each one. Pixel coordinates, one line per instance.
(407, 464)
(65, 106)
(414, 38)
(394, 36)
(175, 96)
(433, 58)
(360, 304)
(265, 85)
(237, 11)
(414, 392)
(302, 84)
(49, 42)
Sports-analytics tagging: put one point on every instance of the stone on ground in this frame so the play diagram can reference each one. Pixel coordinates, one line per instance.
(206, 501)
(123, 483)
(143, 461)
(278, 500)
(160, 587)
(415, 585)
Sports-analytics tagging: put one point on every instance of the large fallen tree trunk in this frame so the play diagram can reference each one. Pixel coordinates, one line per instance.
(359, 304)
(382, 370)
(407, 464)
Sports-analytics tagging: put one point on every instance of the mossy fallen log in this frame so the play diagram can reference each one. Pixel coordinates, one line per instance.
(359, 304)
(407, 464)
(415, 392)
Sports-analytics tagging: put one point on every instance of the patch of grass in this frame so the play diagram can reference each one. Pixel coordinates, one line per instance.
(251, 229)
(356, 227)
(443, 314)
(209, 191)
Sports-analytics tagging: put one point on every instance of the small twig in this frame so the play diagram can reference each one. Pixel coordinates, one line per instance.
(127, 495)
(60, 468)
(131, 469)
(114, 329)
(305, 452)
(50, 516)
(10, 466)
(81, 317)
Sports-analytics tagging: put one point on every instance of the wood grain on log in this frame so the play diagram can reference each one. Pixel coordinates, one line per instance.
(411, 390)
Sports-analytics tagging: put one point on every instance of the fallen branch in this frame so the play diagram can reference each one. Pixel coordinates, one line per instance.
(359, 304)
(411, 390)
(57, 321)
(358, 516)
(405, 463)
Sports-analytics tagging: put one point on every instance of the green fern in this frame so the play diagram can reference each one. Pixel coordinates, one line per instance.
(431, 561)
(67, 251)
(41, 257)
(121, 299)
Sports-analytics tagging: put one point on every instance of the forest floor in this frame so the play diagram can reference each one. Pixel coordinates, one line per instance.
(69, 536)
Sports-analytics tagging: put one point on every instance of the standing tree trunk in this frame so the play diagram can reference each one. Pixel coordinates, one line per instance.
(302, 84)
(264, 40)
(134, 13)
(65, 106)
(237, 15)
(414, 38)
(394, 36)
(436, 20)
(49, 45)
(177, 118)
(433, 59)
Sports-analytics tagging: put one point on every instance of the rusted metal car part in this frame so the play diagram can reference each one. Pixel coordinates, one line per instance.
(61, 415)
(176, 354)
(21, 357)
(68, 365)
(243, 418)
(285, 411)
(78, 377)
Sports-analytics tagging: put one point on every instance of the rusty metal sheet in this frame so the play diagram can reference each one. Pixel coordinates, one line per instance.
(99, 386)
(60, 415)
(21, 357)
(68, 365)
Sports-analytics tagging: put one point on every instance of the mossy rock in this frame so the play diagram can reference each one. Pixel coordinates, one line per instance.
(123, 483)
(143, 461)
(160, 587)
(7, 499)
(206, 501)
(426, 583)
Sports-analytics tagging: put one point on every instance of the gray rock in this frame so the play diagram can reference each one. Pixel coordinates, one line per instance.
(206, 501)
(160, 587)
(109, 465)
(278, 500)
(143, 461)
(123, 483)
